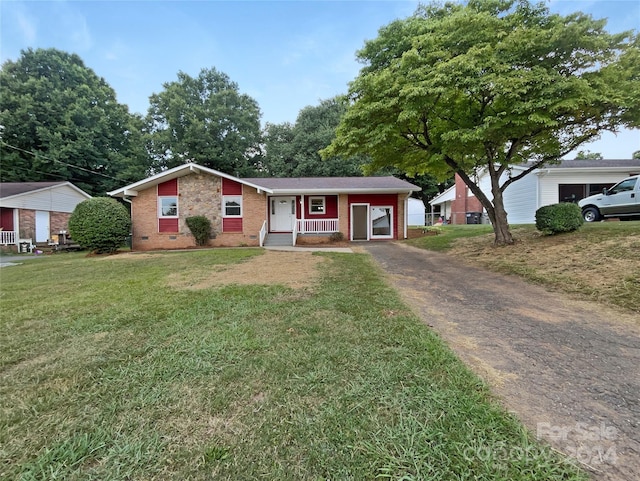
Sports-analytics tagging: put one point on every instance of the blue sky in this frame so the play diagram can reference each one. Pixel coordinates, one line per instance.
(285, 54)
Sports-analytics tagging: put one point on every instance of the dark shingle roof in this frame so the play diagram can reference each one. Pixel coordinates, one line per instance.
(566, 163)
(8, 189)
(346, 184)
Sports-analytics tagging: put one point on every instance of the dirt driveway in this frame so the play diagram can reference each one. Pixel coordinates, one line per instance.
(569, 370)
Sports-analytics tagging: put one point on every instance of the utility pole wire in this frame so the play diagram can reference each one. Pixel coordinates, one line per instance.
(59, 161)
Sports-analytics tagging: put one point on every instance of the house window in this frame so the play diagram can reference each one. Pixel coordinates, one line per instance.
(232, 205)
(316, 205)
(167, 206)
(381, 222)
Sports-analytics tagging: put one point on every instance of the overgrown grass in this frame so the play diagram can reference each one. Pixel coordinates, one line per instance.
(109, 373)
(599, 262)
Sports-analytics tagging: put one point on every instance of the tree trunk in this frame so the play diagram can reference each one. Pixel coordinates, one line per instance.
(495, 210)
(499, 220)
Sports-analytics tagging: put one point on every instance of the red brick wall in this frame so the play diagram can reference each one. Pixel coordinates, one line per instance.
(463, 203)
(198, 195)
(27, 224)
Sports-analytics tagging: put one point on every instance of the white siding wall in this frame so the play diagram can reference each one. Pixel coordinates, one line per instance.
(416, 212)
(549, 182)
(57, 199)
(521, 200)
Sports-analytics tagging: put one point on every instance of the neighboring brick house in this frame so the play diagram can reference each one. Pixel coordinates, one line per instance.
(567, 181)
(244, 211)
(36, 211)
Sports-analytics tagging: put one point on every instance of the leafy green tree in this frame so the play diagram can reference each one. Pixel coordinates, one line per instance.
(636, 154)
(486, 85)
(293, 150)
(205, 120)
(60, 121)
(279, 156)
(588, 155)
(100, 224)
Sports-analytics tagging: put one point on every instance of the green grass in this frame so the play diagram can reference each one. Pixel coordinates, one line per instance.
(447, 234)
(108, 372)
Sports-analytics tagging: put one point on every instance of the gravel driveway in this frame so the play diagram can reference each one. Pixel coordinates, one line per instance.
(569, 370)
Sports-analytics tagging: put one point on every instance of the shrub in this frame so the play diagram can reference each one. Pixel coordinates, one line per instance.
(200, 227)
(100, 224)
(336, 237)
(557, 218)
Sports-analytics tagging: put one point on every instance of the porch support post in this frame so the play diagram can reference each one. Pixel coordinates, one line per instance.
(302, 227)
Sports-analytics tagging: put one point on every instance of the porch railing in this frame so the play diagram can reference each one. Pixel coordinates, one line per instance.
(7, 237)
(317, 226)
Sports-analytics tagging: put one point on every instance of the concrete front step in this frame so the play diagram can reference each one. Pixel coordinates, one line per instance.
(278, 240)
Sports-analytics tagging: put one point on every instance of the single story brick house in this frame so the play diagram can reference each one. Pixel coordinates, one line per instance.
(567, 181)
(247, 211)
(36, 212)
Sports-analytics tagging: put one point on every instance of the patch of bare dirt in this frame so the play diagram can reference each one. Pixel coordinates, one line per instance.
(605, 270)
(297, 270)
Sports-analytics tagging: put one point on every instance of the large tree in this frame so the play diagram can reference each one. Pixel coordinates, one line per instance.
(486, 85)
(205, 120)
(60, 121)
(293, 150)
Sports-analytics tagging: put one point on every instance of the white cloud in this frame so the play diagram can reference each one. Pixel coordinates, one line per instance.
(27, 27)
(73, 26)
(116, 50)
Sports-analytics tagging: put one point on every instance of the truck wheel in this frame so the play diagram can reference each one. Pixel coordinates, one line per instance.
(591, 214)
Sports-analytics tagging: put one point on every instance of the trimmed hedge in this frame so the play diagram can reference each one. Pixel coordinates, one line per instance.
(558, 218)
(101, 225)
(200, 227)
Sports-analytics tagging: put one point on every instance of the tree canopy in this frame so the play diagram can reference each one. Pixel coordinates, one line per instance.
(205, 120)
(588, 155)
(60, 121)
(486, 85)
(293, 150)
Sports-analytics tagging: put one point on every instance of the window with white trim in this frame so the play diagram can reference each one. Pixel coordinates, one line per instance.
(168, 206)
(381, 222)
(317, 205)
(232, 205)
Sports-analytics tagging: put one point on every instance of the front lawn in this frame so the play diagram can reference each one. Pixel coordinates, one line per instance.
(191, 366)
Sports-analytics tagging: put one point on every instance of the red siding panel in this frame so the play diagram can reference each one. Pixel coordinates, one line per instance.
(170, 187)
(167, 225)
(6, 218)
(374, 199)
(330, 207)
(232, 224)
(231, 187)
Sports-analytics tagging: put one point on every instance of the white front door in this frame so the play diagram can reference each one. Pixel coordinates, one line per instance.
(42, 226)
(282, 213)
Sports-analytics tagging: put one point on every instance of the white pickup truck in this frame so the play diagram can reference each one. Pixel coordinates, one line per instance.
(622, 200)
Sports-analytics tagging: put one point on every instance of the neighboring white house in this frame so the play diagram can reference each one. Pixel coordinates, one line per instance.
(36, 211)
(568, 181)
(415, 211)
(441, 204)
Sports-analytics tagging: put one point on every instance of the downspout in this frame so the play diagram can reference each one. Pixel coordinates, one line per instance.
(406, 214)
(131, 215)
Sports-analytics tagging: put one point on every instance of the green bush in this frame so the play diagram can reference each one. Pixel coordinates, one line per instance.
(101, 225)
(336, 237)
(200, 227)
(557, 218)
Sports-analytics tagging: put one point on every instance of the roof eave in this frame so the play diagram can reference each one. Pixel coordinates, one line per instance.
(336, 191)
(49, 187)
(132, 190)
